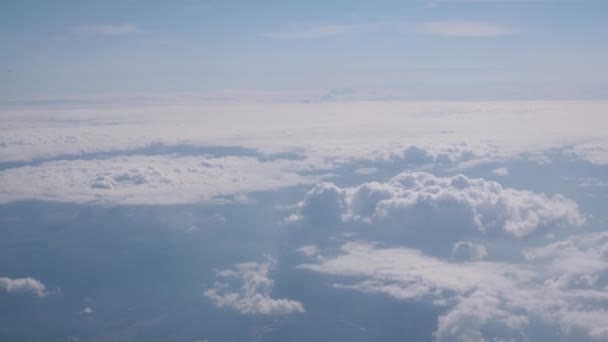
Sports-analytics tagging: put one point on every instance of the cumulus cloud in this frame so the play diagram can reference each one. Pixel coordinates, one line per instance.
(325, 203)
(253, 297)
(23, 285)
(439, 209)
(468, 251)
(548, 295)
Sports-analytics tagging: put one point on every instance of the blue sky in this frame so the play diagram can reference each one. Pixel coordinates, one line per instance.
(422, 49)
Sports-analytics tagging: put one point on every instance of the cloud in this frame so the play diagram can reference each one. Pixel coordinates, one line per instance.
(107, 29)
(469, 251)
(547, 295)
(366, 170)
(325, 203)
(253, 297)
(147, 179)
(466, 29)
(501, 171)
(323, 31)
(439, 210)
(87, 311)
(96, 155)
(23, 285)
(309, 250)
(318, 131)
(440, 28)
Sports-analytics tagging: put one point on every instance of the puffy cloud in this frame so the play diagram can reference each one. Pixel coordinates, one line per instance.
(253, 297)
(325, 203)
(439, 210)
(23, 285)
(547, 295)
(468, 251)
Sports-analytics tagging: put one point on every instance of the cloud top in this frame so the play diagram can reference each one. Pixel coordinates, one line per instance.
(421, 204)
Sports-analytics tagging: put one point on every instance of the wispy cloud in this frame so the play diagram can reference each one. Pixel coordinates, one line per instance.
(436, 2)
(465, 29)
(323, 31)
(106, 29)
(23, 285)
(452, 28)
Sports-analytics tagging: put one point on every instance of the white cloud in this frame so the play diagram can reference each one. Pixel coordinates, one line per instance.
(490, 301)
(501, 171)
(87, 311)
(21, 285)
(469, 251)
(341, 131)
(56, 153)
(107, 29)
(253, 297)
(430, 208)
(146, 179)
(466, 29)
(309, 250)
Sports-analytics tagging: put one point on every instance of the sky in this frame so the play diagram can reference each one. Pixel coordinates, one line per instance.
(446, 49)
(304, 171)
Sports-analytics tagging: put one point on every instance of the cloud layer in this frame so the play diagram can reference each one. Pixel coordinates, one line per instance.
(76, 155)
(147, 180)
(549, 295)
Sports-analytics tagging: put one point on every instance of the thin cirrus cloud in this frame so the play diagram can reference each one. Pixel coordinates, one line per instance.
(106, 29)
(465, 29)
(449, 28)
(323, 31)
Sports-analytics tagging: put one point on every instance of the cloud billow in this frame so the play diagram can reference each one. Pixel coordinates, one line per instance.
(435, 209)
